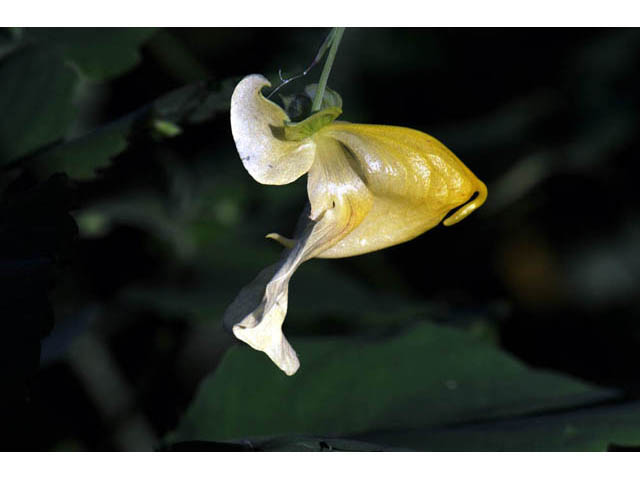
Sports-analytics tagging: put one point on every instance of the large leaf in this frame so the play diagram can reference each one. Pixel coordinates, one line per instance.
(99, 53)
(36, 90)
(429, 376)
(589, 429)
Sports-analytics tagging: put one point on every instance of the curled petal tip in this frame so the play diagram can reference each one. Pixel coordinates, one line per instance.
(257, 314)
(267, 337)
(470, 207)
(282, 240)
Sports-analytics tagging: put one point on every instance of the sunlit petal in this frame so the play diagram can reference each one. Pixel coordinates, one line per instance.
(412, 179)
(337, 191)
(257, 125)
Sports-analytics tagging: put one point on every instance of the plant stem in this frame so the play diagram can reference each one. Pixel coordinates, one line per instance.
(326, 70)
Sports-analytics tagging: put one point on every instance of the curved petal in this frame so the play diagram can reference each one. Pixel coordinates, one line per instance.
(258, 312)
(412, 179)
(257, 125)
(337, 192)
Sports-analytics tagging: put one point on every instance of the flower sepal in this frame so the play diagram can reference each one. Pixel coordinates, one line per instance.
(294, 131)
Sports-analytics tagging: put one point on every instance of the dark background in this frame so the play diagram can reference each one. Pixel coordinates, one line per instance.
(138, 259)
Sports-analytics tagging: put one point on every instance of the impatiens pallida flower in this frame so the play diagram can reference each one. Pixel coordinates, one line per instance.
(369, 187)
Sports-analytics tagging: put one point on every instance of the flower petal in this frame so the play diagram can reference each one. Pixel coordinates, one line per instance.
(257, 125)
(411, 182)
(258, 312)
(336, 190)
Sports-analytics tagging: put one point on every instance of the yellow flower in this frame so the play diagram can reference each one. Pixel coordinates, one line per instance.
(369, 187)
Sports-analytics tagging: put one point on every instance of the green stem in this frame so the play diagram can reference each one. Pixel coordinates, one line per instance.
(326, 70)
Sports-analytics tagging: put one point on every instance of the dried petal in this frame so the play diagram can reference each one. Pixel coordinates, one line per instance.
(257, 313)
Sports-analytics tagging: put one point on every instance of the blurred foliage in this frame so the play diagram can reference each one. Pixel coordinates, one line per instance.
(80, 157)
(128, 219)
(98, 53)
(38, 78)
(35, 86)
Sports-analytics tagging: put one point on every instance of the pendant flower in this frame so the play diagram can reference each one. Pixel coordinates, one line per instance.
(369, 187)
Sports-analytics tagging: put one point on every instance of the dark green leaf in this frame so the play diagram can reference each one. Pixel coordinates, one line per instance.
(36, 89)
(590, 429)
(428, 376)
(80, 157)
(99, 53)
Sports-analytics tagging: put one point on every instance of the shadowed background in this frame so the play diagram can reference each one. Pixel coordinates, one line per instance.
(124, 274)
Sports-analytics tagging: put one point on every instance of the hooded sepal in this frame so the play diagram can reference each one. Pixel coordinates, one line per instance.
(257, 125)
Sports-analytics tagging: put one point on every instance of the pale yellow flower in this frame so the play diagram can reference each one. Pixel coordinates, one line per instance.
(369, 187)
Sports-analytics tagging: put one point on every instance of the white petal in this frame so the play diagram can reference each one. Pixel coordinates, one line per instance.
(257, 125)
(258, 312)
